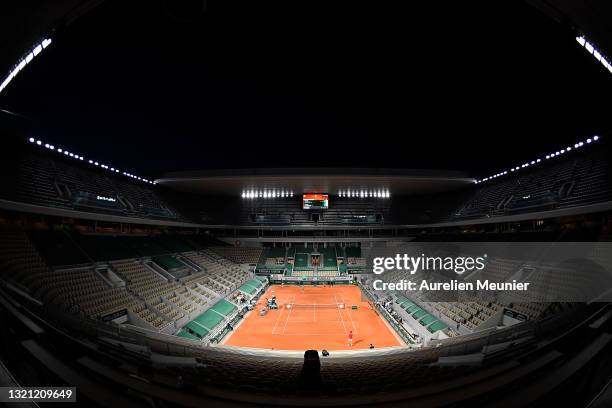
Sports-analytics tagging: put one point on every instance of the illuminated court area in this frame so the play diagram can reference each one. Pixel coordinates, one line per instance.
(315, 321)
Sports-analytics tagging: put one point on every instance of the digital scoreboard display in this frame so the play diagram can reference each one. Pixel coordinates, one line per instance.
(315, 201)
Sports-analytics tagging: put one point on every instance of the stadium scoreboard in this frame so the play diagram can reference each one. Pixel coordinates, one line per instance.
(315, 201)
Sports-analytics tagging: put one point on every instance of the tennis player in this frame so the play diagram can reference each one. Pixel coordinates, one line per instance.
(350, 339)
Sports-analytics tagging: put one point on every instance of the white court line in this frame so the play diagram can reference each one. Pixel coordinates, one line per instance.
(341, 318)
(350, 317)
(277, 319)
(288, 316)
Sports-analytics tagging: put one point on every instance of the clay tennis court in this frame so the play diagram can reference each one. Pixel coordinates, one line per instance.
(315, 322)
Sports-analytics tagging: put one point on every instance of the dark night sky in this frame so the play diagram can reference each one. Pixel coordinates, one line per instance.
(472, 86)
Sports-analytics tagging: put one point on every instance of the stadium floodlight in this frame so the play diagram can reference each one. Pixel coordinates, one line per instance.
(597, 55)
(580, 144)
(26, 59)
(568, 148)
(96, 163)
(595, 138)
(38, 142)
(595, 52)
(537, 161)
(31, 140)
(589, 140)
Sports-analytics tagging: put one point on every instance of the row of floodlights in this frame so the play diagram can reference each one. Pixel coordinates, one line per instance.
(27, 58)
(593, 51)
(364, 193)
(577, 145)
(92, 162)
(267, 194)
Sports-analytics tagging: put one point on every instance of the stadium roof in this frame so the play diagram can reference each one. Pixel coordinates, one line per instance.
(319, 180)
(203, 85)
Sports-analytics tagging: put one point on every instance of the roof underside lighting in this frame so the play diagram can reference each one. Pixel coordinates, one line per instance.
(594, 52)
(537, 161)
(78, 157)
(23, 61)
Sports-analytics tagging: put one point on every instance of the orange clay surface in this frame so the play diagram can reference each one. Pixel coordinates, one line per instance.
(313, 328)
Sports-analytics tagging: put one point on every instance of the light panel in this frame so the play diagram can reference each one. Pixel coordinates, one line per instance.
(23, 61)
(78, 157)
(535, 162)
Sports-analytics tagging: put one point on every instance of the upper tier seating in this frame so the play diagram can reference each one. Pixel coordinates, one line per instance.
(55, 182)
(340, 211)
(240, 255)
(78, 290)
(564, 183)
(57, 247)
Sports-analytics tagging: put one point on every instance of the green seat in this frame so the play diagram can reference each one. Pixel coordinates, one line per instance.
(412, 308)
(435, 326)
(168, 262)
(209, 319)
(223, 307)
(418, 313)
(186, 335)
(197, 329)
(406, 305)
(427, 319)
(248, 289)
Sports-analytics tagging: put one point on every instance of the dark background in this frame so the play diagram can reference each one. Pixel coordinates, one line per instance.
(149, 86)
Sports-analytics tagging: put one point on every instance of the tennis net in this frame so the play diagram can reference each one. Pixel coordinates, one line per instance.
(315, 306)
